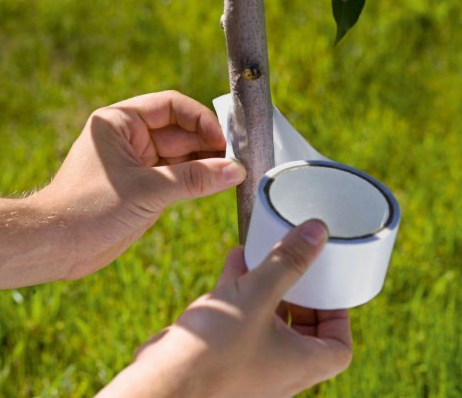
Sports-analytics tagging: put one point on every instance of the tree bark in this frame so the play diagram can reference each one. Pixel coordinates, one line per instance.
(251, 120)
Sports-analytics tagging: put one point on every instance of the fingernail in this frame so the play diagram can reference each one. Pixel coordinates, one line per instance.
(314, 232)
(234, 172)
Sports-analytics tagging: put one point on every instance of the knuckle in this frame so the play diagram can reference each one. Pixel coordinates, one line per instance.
(344, 358)
(99, 111)
(291, 256)
(106, 113)
(121, 121)
(332, 365)
(173, 93)
(110, 116)
(340, 359)
(97, 118)
(98, 122)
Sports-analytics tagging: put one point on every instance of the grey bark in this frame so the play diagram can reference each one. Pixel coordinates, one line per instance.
(251, 121)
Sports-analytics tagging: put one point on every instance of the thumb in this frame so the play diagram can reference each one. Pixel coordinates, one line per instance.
(288, 261)
(197, 178)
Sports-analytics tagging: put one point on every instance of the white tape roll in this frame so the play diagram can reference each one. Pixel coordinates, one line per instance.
(362, 216)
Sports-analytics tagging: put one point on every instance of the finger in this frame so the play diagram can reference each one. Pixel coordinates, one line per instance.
(334, 333)
(287, 262)
(296, 314)
(282, 311)
(329, 341)
(234, 266)
(170, 107)
(335, 325)
(309, 352)
(173, 161)
(208, 154)
(188, 158)
(304, 330)
(195, 179)
(301, 315)
(174, 141)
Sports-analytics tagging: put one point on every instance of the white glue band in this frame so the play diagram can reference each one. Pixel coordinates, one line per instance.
(362, 216)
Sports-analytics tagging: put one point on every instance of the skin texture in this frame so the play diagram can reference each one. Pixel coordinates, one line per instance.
(235, 341)
(132, 160)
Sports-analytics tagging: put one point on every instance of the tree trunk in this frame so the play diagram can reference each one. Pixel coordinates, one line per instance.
(251, 120)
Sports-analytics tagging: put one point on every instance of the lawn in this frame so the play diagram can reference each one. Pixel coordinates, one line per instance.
(387, 100)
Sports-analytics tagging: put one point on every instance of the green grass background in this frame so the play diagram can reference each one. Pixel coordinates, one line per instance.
(388, 100)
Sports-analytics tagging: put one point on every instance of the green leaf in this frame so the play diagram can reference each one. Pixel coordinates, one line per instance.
(346, 14)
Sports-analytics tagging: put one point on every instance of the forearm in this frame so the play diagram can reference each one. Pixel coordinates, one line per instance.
(36, 243)
(138, 381)
(171, 366)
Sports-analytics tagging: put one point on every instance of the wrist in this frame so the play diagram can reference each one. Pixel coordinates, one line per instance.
(178, 364)
(170, 367)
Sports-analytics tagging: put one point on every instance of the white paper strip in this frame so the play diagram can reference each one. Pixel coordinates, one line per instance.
(361, 213)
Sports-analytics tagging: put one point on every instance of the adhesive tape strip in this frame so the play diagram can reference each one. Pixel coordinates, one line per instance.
(362, 216)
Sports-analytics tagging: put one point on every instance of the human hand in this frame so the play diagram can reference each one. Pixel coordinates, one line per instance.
(233, 342)
(132, 160)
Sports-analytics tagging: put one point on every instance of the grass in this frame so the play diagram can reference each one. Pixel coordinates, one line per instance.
(387, 100)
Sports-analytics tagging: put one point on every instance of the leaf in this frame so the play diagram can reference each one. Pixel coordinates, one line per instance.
(346, 14)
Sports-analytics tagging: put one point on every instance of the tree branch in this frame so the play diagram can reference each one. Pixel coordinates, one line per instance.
(251, 120)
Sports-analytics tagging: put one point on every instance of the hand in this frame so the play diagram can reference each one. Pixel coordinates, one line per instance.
(132, 160)
(232, 343)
